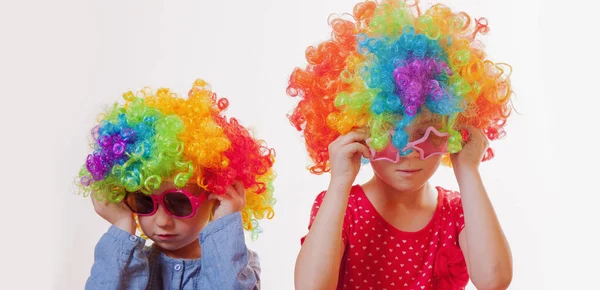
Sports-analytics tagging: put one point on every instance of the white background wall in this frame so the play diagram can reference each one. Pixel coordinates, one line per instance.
(62, 61)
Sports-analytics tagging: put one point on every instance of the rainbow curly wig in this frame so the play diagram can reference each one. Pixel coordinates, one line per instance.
(158, 136)
(386, 65)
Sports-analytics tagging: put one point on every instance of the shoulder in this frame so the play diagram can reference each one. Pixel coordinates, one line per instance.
(355, 204)
(356, 194)
(450, 198)
(452, 208)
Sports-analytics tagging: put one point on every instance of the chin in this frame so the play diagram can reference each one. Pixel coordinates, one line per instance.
(168, 246)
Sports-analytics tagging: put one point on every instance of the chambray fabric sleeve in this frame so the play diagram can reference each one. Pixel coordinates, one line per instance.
(226, 262)
(120, 262)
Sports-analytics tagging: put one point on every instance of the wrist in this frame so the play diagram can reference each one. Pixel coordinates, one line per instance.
(466, 173)
(338, 182)
(465, 167)
(219, 215)
(127, 225)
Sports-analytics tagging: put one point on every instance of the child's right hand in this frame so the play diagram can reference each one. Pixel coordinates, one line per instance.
(117, 214)
(344, 156)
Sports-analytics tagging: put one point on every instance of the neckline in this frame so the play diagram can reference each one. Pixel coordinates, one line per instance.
(387, 224)
(166, 259)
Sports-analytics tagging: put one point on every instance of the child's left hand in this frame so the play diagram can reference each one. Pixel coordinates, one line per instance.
(232, 201)
(472, 152)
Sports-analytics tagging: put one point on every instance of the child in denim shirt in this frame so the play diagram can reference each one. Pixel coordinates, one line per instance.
(192, 179)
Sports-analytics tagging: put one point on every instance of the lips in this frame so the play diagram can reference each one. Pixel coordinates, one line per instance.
(166, 237)
(408, 172)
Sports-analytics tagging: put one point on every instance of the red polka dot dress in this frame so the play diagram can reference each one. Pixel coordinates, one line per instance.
(379, 256)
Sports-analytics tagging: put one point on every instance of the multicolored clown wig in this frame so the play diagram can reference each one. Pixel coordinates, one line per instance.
(159, 136)
(385, 66)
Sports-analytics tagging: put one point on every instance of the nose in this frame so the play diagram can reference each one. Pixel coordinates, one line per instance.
(162, 218)
(414, 154)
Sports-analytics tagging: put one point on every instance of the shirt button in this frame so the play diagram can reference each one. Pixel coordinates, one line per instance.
(133, 238)
(177, 267)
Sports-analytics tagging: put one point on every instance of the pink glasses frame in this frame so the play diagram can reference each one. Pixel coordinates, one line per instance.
(395, 154)
(158, 199)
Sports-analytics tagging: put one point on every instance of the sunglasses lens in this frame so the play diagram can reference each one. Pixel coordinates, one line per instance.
(434, 143)
(178, 204)
(139, 203)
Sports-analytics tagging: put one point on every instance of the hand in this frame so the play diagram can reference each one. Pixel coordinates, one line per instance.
(118, 214)
(473, 150)
(344, 155)
(232, 201)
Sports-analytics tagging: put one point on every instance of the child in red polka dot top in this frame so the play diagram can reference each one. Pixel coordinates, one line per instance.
(408, 91)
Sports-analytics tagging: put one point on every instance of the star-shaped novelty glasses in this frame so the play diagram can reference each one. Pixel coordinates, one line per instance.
(427, 146)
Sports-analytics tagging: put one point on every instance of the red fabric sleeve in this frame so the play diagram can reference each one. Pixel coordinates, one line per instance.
(315, 210)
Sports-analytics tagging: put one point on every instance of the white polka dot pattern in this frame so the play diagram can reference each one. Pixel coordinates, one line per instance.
(379, 256)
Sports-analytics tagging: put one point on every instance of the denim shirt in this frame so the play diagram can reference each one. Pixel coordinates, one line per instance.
(122, 262)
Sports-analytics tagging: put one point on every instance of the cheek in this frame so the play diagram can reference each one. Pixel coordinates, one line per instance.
(383, 168)
(195, 224)
(205, 211)
(146, 223)
(190, 226)
(430, 165)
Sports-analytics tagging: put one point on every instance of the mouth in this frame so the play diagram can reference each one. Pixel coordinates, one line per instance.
(408, 171)
(166, 237)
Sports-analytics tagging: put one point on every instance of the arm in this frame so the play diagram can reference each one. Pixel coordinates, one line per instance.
(226, 262)
(119, 262)
(482, 241)
(318, 263)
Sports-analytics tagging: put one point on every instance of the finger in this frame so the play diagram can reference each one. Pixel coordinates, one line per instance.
(231, 192)
(474, 130)
(472, 134)
(477, 135)
(98, 203)
(357, 148)
(482, 135)
(239, 188)
(234, 194)
(353, 137)
(216, 202)
(219, 197)
(341, 137)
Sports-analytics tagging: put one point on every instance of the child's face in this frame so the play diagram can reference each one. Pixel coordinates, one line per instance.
(171, 233)
(411, 172)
